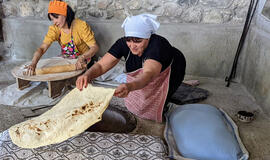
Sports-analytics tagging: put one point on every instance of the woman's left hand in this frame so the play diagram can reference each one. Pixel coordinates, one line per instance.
(81, 63)
(122, 91)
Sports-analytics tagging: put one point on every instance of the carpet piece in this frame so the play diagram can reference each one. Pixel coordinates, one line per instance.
(188, 94)
(89, 145)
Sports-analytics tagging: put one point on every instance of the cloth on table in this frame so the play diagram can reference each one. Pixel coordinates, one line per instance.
(114, 77)
(112, 74)
(90, 145)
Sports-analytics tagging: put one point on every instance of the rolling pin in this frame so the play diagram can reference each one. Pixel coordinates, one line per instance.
(56, 69)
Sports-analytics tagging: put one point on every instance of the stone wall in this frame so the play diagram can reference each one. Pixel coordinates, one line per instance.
(206, 31)
(179, 11)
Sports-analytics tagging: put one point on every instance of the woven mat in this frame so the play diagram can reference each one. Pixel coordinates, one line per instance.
(89, 145)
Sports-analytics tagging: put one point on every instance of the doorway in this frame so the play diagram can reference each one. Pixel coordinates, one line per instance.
(1, 16)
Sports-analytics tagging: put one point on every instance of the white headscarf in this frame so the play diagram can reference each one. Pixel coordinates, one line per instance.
(141, 26)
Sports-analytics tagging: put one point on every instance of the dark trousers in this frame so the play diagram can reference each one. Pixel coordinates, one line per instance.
(90, 63)
(178, 70)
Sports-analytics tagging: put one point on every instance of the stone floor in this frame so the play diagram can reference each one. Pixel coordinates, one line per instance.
(255, 135)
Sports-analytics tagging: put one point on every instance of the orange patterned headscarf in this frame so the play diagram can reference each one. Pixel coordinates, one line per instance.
(58, 7)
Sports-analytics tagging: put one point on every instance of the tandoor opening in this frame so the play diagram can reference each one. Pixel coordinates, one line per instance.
(115, 120)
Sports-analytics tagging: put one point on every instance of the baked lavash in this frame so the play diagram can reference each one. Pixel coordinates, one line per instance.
(77, 111)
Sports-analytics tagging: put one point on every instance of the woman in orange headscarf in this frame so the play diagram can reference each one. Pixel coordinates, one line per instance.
(75, 36)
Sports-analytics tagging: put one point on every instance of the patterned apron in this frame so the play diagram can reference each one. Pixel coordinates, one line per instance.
(69, 50)
(148, 102)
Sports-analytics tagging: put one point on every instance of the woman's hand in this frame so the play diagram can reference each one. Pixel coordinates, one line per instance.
(82, 82)
(122, 90)
(30, 70)
(81, 63)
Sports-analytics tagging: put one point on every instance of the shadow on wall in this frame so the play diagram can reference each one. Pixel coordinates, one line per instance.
(1, 16)
(1, 30)
(1, 34)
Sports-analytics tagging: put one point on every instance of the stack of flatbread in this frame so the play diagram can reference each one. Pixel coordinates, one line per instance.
(77, 111)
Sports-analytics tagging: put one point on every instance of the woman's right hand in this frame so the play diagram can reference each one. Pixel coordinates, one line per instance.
(31, 69)
(82, 81)
(81, 63)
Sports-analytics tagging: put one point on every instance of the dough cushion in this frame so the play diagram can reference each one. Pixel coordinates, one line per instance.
(77, 111)
(56, 69)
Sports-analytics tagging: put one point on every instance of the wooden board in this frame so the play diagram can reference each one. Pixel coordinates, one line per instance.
(17, 72)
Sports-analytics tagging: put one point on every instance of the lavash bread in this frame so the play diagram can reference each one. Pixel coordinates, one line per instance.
(77, 111)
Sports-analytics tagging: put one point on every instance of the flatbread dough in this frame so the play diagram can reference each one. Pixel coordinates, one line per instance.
(77, 111)
(56, 69)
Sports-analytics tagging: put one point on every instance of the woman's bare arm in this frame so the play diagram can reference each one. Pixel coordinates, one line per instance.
(37, 55)
(151, 70)
(102, 66)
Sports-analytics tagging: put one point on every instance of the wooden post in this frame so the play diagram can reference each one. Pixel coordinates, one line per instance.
(22, 84)
(55, 88)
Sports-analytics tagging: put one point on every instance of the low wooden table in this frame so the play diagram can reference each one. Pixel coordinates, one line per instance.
(56, 81)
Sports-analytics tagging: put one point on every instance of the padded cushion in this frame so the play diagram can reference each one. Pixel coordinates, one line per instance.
(202, 131)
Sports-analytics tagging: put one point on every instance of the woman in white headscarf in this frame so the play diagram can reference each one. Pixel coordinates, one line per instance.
(155, 68)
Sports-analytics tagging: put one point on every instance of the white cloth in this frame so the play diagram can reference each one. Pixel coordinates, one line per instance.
(113, 73)
(35, 95)
(140, 26)
(114, 77)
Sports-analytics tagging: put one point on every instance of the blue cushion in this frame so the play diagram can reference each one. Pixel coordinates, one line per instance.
(202, 132)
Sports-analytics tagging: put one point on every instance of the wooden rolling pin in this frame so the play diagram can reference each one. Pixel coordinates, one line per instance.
(56, 69)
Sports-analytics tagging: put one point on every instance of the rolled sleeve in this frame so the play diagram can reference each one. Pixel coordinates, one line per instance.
(87, 34)
(51, 36)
